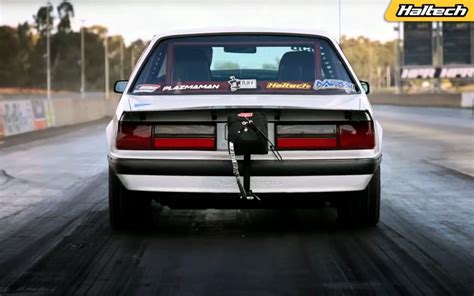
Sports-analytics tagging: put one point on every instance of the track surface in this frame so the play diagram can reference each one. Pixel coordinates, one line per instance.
(54, 235)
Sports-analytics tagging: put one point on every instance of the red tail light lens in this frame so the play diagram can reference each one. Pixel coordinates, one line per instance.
(185, 137)
(185, 143)
(356, 135)
(306, 137)
(134, 136)
(306, 143)
(139, 136)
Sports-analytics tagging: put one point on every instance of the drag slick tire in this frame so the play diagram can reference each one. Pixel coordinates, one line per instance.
(363, 208)
(126, 208)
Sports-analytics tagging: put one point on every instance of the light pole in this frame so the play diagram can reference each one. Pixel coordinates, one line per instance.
(132, 57)
(397, 60)
(106, 52)
(438, 53)
(83, 62)
(48, 63)
(340, 34)
(122, 70)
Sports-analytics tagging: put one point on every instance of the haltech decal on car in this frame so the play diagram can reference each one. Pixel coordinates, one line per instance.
(429, 11)
(191, 87)
(288, 85)
(334, 84)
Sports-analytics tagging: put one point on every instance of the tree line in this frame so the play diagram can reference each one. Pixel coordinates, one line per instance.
(373, 61)
(23, 52)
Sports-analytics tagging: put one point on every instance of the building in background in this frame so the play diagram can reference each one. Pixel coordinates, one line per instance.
(438, 56)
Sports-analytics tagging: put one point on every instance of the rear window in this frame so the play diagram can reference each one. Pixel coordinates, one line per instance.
(243, 64)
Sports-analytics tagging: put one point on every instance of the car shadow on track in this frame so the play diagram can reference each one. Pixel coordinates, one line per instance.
(168, 222)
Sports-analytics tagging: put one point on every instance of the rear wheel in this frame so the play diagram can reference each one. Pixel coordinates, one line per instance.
(363, 209)
(126, 208)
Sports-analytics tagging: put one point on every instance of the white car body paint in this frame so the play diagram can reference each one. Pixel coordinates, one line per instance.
(216, 184)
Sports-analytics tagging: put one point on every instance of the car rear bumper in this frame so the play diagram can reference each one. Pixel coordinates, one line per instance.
(274, 184)
(268, 176)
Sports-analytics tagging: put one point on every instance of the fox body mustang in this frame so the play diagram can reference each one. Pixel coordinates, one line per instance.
(281, 112)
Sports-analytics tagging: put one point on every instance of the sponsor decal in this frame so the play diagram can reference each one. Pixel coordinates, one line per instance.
(19, 117)
(443, 72)
(146, 88)
(429, 11)
(236, 84)
(302, 48)
(288, 85)
(191, 87)
(408, 10)
(39, 114)
(248, 114)
(334, 84)
(457, 72)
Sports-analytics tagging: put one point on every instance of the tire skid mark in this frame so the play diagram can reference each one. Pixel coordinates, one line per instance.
(83, 286)
(429, 246)
(357, 267)
(366, 262)
(56, 270)
(5, 177)
(112, 268)
(34, 240)
(414, 259)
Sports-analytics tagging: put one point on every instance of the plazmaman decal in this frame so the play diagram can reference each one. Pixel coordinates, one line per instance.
(191, 87)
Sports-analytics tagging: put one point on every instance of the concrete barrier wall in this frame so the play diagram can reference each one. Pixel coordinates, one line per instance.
(20, 114)
(67, 111)
(467, 100)
(427, 100)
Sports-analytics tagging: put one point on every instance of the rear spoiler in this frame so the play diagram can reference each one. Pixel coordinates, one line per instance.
(220, 115)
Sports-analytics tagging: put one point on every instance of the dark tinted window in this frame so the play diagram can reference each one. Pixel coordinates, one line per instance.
(243, 64)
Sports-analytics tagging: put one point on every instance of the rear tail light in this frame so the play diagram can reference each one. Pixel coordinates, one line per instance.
(185, 143)
(184, 137)
(134, 136)
(354, 135)
(305, 143)
(139, 136)
(310, 137)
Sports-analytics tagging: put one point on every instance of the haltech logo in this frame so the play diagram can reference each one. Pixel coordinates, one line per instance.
(288, 85)
(429, 11)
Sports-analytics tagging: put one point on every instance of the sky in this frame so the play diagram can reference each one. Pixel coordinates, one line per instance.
(145, 18)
